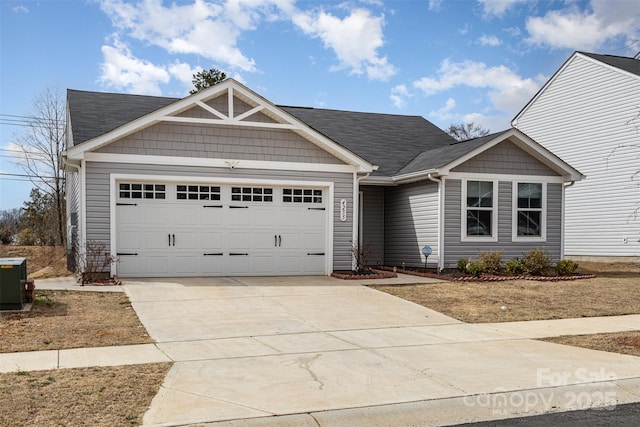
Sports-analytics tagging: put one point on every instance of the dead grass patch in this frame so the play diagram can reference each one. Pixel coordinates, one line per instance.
(609, 294)
(113, 396)
(72, 319)
(617, 342)
(42, 261)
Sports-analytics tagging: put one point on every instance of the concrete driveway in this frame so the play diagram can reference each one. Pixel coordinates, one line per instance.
(320, 351)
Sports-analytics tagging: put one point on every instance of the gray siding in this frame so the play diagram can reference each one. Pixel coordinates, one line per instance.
(455, 248)
(220, 105)
(225, 142)
(98, 181)
(411, 222)
(373, 223)
(505, 158)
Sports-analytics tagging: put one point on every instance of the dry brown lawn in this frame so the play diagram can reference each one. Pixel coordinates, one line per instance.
(610, 293)
(72, 319)
(100, 397)
(42, 261)
(617, 342)
(105, 396)
(615, 291)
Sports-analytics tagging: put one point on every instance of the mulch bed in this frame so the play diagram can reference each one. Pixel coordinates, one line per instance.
(373, 274)
(485, 277)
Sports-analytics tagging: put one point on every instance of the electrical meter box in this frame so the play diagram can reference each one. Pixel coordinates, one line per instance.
(13, 277)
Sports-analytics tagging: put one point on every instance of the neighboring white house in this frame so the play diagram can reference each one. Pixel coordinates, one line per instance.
(588, 114)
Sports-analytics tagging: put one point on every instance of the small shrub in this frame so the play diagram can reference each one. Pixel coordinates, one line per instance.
(462, 264)
(474, 268)
(565, 267)
(537, 262)
(514, 267)
(491, 261)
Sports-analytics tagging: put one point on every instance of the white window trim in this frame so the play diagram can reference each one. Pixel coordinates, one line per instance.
(494, 213)
(514, 213)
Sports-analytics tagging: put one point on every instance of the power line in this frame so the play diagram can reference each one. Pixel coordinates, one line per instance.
(30, 176)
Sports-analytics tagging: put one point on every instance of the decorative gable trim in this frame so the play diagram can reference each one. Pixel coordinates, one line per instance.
(527, 145)
(234, 90)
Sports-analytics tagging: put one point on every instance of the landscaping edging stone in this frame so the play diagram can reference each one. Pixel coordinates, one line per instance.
(379, 274)
(489, 278)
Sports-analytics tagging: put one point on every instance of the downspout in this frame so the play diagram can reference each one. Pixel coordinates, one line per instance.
(440, 183)
(562, 222)
(356, 211)
(68, 207)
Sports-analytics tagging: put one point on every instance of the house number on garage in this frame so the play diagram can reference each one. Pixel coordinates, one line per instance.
(343, 209)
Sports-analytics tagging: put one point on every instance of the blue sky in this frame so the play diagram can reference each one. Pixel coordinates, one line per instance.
(446, 60)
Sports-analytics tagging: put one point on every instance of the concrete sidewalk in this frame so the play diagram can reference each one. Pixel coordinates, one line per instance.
(280, 351)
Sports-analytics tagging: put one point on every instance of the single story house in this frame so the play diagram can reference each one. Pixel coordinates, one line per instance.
(224, 182)
(588, 113)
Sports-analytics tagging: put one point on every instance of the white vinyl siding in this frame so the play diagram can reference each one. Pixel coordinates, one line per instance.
(585, 117)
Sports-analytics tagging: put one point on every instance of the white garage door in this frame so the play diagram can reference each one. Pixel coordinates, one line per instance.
(187, 229)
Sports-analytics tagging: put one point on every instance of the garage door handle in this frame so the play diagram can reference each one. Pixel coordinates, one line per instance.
(238, 253)
(315, 253)
(174, 239)
(275, 238)
(214, 254)
(169, 237)
(279, 240)
(212, 206)
(126, 254)
(238, 207)
(126, 204)
(316, 209)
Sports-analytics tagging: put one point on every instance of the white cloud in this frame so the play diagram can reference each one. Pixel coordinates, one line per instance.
(491, 40)
(586, 29)
(20, 9)
(507, 91)
(208, 29)
(444, 113)
(354, 39)
(435, 4)
(497, 7)
(123, 71)
(464, 30)
(399, 94)
(183, 72)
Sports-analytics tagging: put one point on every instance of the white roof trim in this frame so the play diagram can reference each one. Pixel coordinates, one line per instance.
(526, 144)
(283, 120)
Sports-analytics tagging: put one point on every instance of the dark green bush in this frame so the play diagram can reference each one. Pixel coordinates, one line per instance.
(565, 267)
(514, 267)
(491, 261)
(462, 264)
(537, 262)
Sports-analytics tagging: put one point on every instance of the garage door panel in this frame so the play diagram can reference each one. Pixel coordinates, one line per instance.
(214, 264)
(187, 264)
(185, 240)
(239, 265)
(264, 264)
(129, 240)
(180, 236)
(213, 241)
(156, 239)
(129, 215)
(156, 265)
(239, 241)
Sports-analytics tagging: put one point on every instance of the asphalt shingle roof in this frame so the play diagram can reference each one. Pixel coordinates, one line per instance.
(95, 113)
(397, 144)
(386, 140)
(631, 65)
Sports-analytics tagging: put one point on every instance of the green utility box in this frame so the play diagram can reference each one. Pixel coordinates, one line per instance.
(13, 277)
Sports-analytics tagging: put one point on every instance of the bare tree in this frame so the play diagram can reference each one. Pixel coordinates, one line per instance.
(464, 131)
(41, 147)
